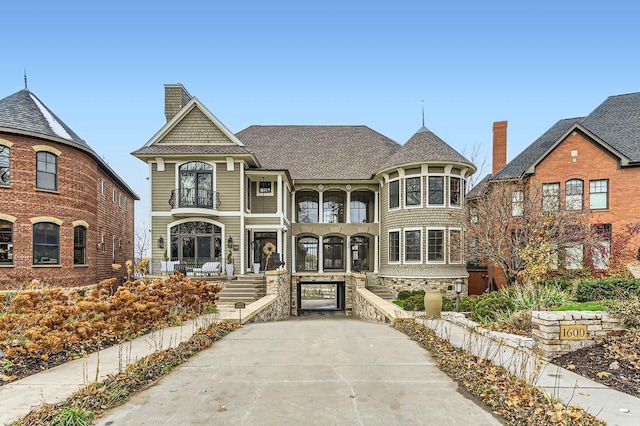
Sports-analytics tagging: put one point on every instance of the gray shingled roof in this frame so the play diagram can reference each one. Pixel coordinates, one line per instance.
(167, 149)
(424, 146)
(516, 167)
(617, 122)
(479, 187)
(25, 112)
(319, 152)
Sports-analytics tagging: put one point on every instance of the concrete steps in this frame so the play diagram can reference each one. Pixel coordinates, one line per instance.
(374, 286)
(243, 288)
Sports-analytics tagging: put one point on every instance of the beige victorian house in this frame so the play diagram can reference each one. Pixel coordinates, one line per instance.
(333, 200)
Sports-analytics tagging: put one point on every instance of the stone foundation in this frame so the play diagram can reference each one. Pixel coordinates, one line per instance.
(446, 285)
(558, 333)
(278, 286)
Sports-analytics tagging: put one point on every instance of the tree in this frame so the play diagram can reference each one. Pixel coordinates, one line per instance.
(515, 226)
(480, 160)
(142, 243)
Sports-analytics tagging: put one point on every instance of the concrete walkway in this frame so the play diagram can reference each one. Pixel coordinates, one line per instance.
(317, 370)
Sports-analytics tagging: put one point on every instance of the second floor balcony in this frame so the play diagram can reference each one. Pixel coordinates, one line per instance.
(185, 200)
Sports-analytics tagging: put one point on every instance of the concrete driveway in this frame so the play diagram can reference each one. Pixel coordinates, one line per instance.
(317, 370)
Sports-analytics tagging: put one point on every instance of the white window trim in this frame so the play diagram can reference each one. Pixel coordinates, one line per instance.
(399, 261)
(461, 246)
(389, 208)
(102, 186)
(404, 198)
(404, 244)
(113, 195)
(113, 249)
(444, 245)
(265, 194)
(103, 243)
(445, 203)
(460, 191)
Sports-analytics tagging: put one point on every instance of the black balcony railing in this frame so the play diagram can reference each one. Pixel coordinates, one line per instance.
(201, 198)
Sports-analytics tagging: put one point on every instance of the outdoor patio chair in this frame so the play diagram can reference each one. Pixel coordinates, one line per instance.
(208, 268)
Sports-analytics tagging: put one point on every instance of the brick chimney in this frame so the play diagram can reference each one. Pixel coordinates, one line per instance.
(499, 146)
(175, 97)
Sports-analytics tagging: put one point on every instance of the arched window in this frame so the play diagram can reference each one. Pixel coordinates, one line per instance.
(5, 156)
(6, 242)
(333, 208)
(307, 254)
(196, 242)
(574, 191)
(46, 171)
(46, 243)
(79, 245)
(196, 185)
(307, 203)
(333, 253)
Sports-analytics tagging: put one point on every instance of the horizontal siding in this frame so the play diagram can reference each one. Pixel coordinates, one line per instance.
(232, 229)
(158, 228)
(262, 221)
(162, 183)
(228, 187)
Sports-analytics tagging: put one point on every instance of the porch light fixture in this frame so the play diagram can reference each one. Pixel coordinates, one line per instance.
(230, 242)
(458, 288)
(160, 242)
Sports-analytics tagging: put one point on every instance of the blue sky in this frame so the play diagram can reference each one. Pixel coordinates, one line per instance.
(101, 67)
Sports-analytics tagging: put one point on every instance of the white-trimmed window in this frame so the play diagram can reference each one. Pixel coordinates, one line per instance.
(103, 243)
(473, 215)
(436, 190)
(113, 195)
(102, 186)
(435, 245)
(517, 203)
(394, 194)
(550, 197)
(113, 249)
(6, 242)
(455, 192)
(455, 246)
(413, 191)
(264, 189)
(574, 190)
(394, 246)
(413, 245)
(601, 250)
(599, 194)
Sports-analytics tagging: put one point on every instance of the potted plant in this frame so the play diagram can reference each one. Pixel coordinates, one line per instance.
(229, 266)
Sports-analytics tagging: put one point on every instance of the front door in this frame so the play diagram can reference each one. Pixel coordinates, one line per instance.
(259, 241)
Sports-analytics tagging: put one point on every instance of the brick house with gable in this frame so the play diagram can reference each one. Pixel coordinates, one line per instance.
(333, 200)
(589, 162)
(65, 215)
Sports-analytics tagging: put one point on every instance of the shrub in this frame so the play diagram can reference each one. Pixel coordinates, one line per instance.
(414, 303)
(607, 288)
(491, 305)
(448, 304)
(403, 294)
(466, 303)
(541, 297)
(628, 309)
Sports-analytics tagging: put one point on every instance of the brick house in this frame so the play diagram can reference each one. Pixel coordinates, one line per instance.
(581, 163)
(65, 215)
(332, 199)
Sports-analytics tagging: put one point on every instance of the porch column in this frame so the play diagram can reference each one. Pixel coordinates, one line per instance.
(348, 255)
(348, 209)
(294, 208)
(279, 242)
(376, 197)
(320, 207)
(320, 254)
(376, 258)
(279, 201)
(294, 251)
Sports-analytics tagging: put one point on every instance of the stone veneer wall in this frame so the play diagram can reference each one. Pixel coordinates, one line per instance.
(277, 285)
(366, 311)
(546, 330)
(446, 285)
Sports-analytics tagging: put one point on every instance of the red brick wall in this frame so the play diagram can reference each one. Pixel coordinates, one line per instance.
(77, 198)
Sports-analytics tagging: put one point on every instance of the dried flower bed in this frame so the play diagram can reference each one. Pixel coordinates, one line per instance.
(516, 401)
(43, 328)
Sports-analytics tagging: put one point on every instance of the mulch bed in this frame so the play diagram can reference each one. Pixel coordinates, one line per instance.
(612, 363)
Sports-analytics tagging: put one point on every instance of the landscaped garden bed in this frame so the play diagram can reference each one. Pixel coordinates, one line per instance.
(41, 328)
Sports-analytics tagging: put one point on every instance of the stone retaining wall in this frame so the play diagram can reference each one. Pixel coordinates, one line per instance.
(558, 333)
(278, 286)
(446, 285)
